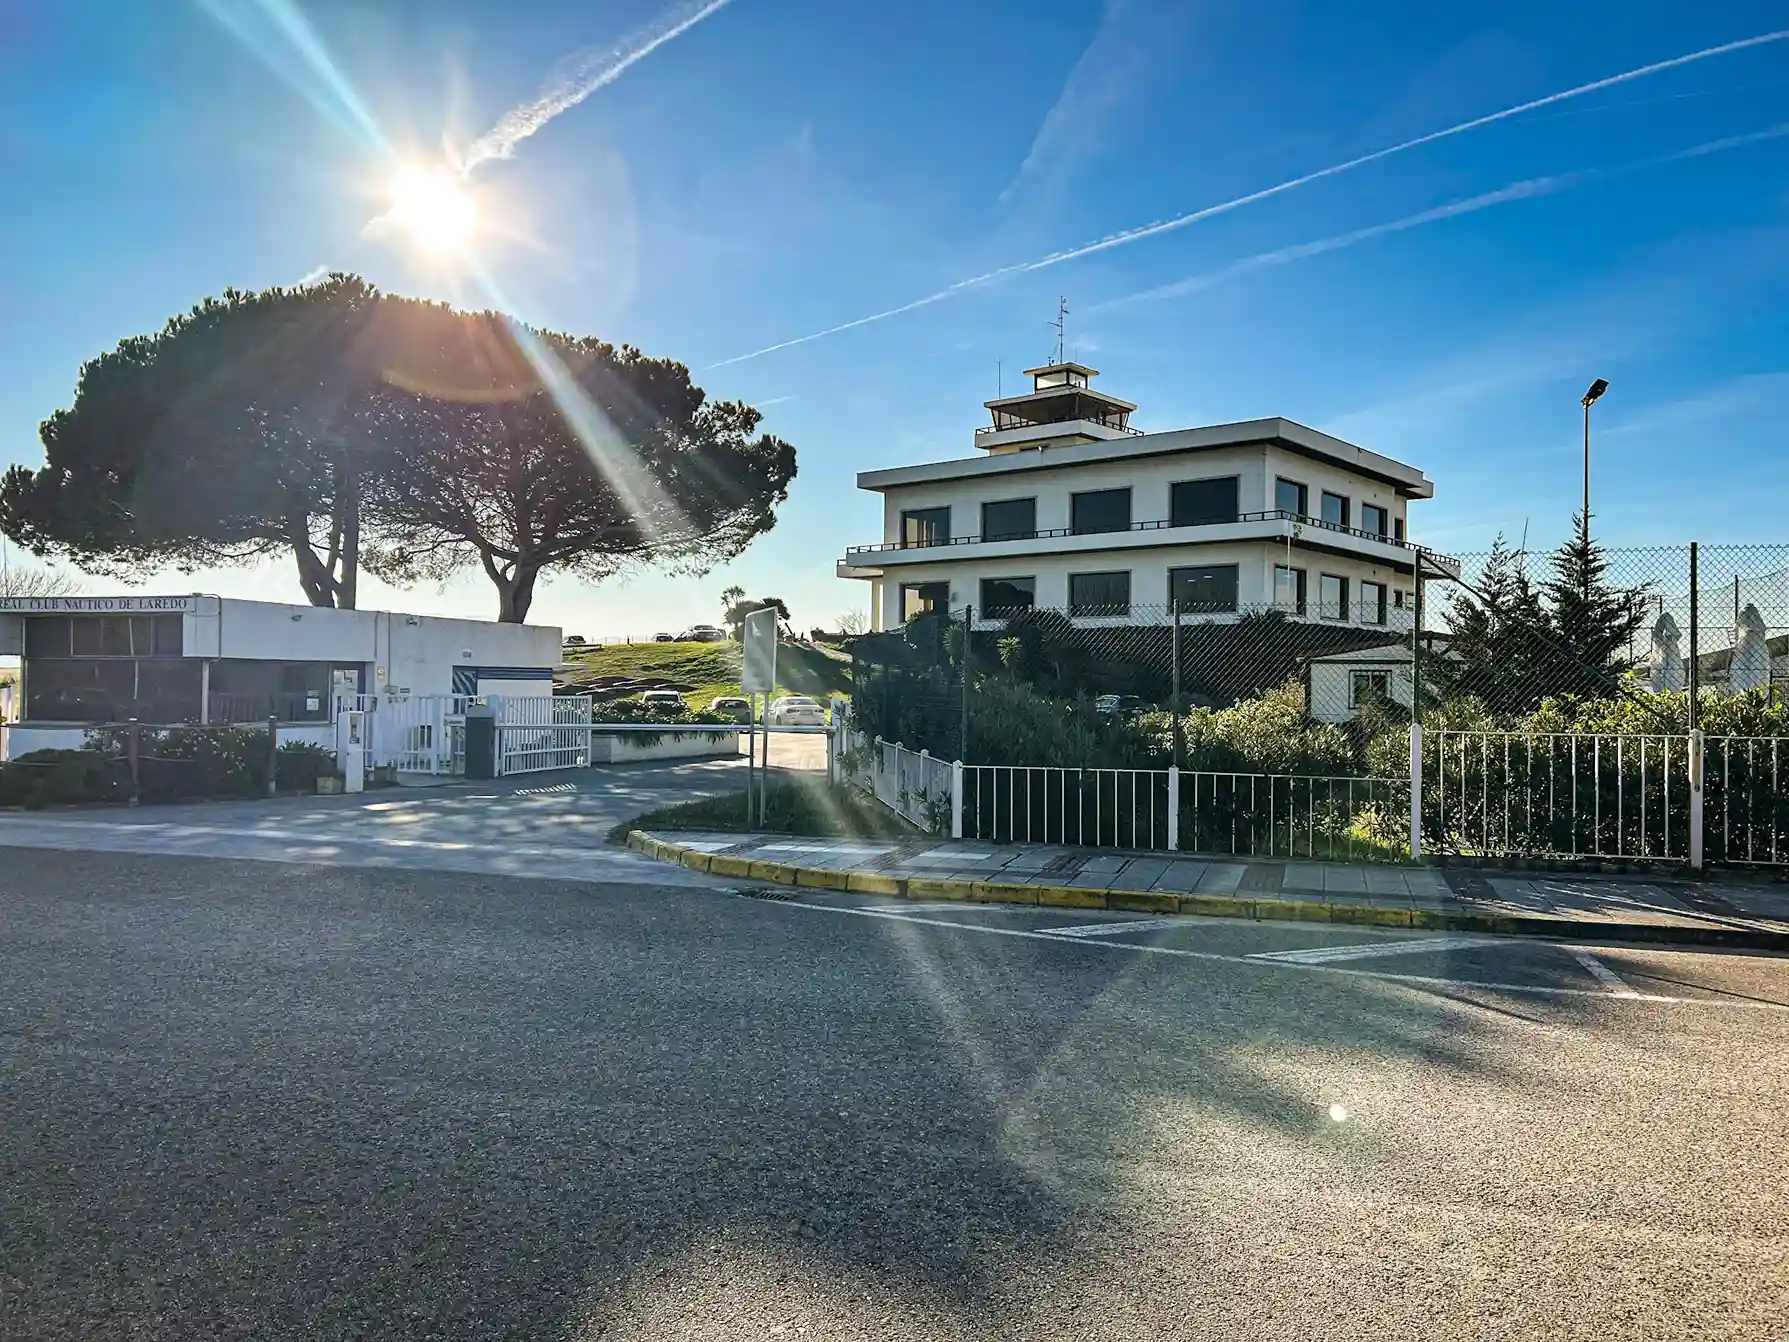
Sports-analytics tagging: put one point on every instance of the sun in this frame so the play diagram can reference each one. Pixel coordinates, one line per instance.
(431, 206)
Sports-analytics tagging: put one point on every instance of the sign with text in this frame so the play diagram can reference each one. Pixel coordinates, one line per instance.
(759, 674)
(97, 605)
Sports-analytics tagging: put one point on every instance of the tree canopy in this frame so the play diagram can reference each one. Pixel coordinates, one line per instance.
(297, 420)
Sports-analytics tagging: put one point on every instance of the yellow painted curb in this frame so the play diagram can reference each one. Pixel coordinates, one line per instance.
(1070, 897)
(637, 840)
(728, 866)
(1217, 906)
(1142, 901)
(779, 872)
(923, 887)
(820, 878)
(872, 883)
(690, 857)
(1003, 892)
(1370, 915)
(1293, 910)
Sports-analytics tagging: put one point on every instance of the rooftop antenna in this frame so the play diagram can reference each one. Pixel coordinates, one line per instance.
(999, 378)
(1061, 325)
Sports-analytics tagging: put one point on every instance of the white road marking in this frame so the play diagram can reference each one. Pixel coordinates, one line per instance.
(1152, 948)
(949, 906)
(1112, 929)
(1317, 955)
(1601, 972)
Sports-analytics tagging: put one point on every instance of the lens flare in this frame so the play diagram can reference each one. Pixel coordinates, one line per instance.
(1338, 1113)
(431, 206)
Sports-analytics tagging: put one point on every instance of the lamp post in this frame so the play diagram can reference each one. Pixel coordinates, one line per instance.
(1591, 397)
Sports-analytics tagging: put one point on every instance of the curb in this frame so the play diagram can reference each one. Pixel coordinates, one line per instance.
(1257, 908)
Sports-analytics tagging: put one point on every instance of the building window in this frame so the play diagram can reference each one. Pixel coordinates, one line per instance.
(1373, 520)
(1207, 590)
(1198, 503)
(1400, 598)
(1332, 597)
(1397, 528)
(108, 668)
(1291, 497)
(925, 526)
(1368, 687)
(922, 598)
(1100, 510)
(1289, 589)
(1372, 603)
(1007, 596)
(1099, 594)
(245, 690)
(1335, 509)
(1009, 520)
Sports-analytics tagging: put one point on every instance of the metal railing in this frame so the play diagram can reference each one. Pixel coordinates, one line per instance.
(1557, 794)
(1052, 533)
(910, 783)
(1089, 808)
(1746, 814)
(536, 733)
(1298, 816)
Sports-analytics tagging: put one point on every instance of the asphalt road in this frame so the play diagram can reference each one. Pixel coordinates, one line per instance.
(274, 1099)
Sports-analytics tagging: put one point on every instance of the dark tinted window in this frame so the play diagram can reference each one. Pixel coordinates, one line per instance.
(1002, 596)
(1288, 588)
(925, 526)
(1208, 589)
(1332, 597)
(1373, 519)
(167, 636)
(1101, 510)
(1372, 602)
(1099, 594)
(47, 636)
(89, 636)
(919, 598)
(1291, 497)
(1201, 502)
(1009, 519)
(1335, 509)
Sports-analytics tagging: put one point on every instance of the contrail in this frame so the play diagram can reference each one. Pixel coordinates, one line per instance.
(1131, 235)
(581, 76)
(1526, 190)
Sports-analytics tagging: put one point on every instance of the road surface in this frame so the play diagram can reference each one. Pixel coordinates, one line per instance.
(364, 1091)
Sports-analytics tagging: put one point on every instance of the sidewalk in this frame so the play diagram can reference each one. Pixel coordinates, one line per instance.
(1600, 908)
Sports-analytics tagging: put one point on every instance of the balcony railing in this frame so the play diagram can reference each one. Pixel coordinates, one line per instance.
(1050, 533)
(987, 429)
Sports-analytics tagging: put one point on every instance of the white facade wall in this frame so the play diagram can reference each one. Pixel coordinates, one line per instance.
(1319, 476)
(1150, 480)
(1255, 561)
(1330, 682)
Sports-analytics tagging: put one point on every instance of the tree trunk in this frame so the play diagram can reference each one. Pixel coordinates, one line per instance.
(515, 596)
(313, 574)
(347, 587)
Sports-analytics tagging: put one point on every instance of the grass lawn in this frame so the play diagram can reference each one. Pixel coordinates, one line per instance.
(804, 807)
(710, 669)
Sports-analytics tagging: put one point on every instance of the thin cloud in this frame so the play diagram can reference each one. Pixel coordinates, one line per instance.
(1528, 190)
(1131, 235)
(315, 275)
(582, 75)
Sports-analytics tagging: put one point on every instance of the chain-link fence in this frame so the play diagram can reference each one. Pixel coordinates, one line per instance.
(1557, 692)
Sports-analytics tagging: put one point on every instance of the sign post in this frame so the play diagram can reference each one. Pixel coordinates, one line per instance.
(758, 676)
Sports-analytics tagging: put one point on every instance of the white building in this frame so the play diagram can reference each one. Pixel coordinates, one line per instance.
(166, 660)
(1067, 506)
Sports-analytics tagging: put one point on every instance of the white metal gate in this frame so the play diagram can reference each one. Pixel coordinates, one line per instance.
(542, 732)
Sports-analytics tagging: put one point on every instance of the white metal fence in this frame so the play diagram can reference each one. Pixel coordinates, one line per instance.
(1571, 796)
(536, 733)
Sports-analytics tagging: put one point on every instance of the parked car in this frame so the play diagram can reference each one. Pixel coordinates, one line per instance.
(662, 701)
(732, 706)
(1118, 705)
(703, 633)
(664, 638)
(796, 710)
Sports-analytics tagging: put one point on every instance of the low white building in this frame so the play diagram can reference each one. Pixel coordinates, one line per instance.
(1066, 506)
(166, 660)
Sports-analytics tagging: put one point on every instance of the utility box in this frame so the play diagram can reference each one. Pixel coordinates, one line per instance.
(481, 741)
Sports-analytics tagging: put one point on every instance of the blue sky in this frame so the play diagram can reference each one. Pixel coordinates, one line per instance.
(787, 166)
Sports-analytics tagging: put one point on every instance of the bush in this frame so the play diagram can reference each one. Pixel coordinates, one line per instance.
(63, 778)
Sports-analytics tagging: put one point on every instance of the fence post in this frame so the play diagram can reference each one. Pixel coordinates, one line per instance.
(1696, 779)
(1174, 791)
(1416, 792)
(963, 711)
(1694, 679)
(1174, 664)
(956, 799)
(273, 754)
(134, 749)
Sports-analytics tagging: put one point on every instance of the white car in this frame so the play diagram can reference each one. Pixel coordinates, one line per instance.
(796, 710)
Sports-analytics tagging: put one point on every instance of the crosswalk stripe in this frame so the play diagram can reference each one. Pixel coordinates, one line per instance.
(1317, 955)
(1113, 929)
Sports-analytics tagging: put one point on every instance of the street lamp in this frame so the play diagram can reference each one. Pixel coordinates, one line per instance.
(1591, 397)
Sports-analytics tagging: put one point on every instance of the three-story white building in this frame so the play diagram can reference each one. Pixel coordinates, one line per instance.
(1066, 506)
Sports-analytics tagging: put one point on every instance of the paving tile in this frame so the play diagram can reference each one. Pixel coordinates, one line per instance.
(1386, 881)
(1303, 876)
(1181, 876)
(1140, 874)
(1104, 863)
(1344, 880)
(1221, 878)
